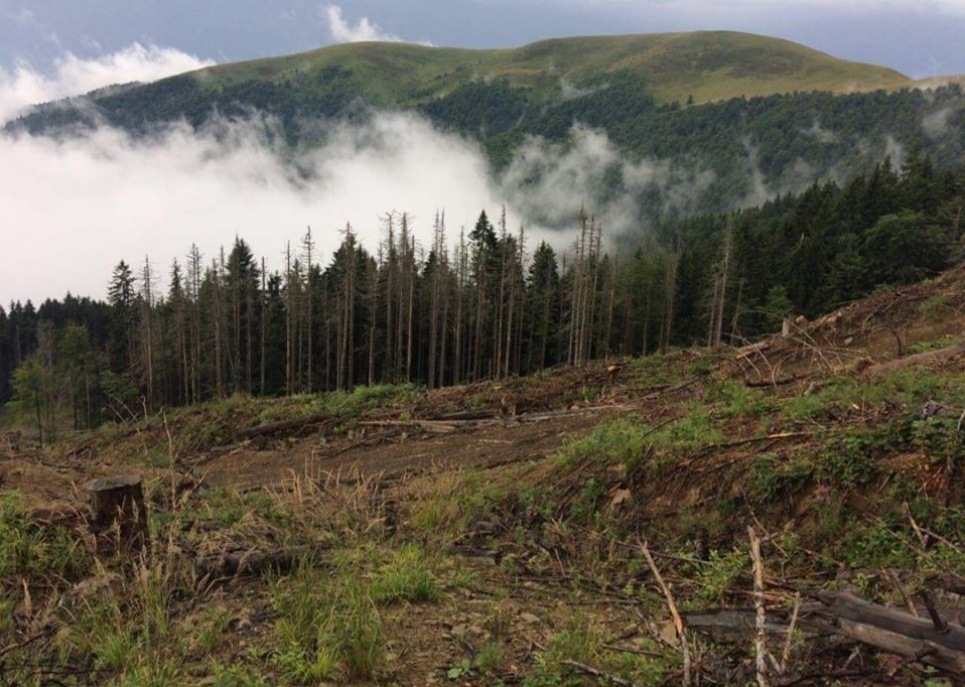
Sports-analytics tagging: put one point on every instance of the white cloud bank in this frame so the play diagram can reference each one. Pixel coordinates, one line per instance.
(74, 207)
(364, 30)
(24, 86)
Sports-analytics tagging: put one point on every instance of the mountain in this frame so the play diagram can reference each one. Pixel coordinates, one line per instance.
(748, 116)
(661, 69)
(707, 66)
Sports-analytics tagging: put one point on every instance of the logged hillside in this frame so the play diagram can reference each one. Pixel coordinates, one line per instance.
(512, 532)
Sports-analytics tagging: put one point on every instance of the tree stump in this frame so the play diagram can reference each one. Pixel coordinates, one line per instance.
(118, 515)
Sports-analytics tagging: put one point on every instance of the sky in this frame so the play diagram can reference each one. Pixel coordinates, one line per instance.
(917, 37)
(72, 207)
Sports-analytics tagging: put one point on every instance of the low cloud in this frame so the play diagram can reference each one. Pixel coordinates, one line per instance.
(820, 134)
(549, 182)
(79, 204)
(935, 125)
(894, 151)
(24, 86)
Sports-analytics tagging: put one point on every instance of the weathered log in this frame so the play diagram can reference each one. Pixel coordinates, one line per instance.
(850, 607)
(431, 426)
(465, 415)
(920, 359)
(768, 383)
(747, 351)
(118, 515)
(892, 642)
(253, 561)
(282, 426)
(887, 629)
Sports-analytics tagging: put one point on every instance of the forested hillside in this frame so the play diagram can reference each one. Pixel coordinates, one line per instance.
(492, 307)
(741, 149)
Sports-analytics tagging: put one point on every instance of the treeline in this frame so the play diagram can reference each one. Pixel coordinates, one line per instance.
(472, 306)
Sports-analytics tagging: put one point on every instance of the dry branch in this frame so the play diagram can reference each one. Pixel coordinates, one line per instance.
(678, 622)
(786, 654)
(594, 672)
(760, 640)
(714, 448)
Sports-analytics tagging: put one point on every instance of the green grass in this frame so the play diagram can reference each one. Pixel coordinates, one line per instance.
(328, 625)
(364, 399)
(406, 577)
(620, 442)
(27, 549)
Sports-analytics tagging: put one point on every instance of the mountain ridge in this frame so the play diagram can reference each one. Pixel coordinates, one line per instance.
(707, 65)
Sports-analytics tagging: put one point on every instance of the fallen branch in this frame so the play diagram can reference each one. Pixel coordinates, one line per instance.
(940, 624)
(714, 448)
(632, 650)
(46, 632)
(678, 622)
(786, 654)
(594, 672)
(904, 595)
(760, 640)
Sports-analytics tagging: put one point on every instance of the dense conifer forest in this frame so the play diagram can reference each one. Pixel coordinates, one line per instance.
(477, 304)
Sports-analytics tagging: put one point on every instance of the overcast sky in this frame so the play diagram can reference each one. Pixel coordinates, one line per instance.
(917, 37)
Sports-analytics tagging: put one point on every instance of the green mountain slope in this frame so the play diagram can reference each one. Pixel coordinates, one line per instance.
(708, 66)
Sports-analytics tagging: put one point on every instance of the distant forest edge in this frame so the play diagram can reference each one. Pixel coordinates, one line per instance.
(743, 150)
(489, 308)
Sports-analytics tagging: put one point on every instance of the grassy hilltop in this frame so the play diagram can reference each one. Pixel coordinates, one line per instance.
(710, 66)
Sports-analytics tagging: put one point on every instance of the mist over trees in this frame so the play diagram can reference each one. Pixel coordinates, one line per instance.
(783, 141)
(477, 303)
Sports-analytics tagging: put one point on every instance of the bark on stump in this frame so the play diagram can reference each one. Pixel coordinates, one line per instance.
(118, 515)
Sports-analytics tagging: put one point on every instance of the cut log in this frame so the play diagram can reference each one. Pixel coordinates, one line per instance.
(929, 357)
(767, 383)
(253, 561)
(282, 426)
(888, 629)
(747, 351)
(118, 515)
(465, 415)
(430, 426)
